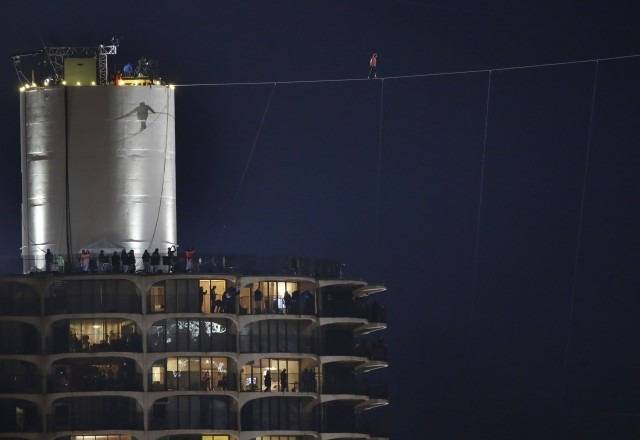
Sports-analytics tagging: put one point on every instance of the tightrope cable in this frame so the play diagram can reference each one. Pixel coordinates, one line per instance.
(417, 75)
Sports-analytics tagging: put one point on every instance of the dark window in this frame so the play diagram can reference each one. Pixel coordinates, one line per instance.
(19, 338)
(19, 416)
(94, 374)
(275, 336)
(276, 413)
(19, 377)
(92, 296)
(194, 412)
(17, 299)
(96, 413)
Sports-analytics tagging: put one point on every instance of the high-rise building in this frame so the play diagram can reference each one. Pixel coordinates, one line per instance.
(110, 346)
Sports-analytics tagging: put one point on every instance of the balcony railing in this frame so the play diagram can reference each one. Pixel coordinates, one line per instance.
(26, 383)
(132, 343)
(176, 263)
(93, 381)
(290, 344)
(193, 381)
(294, 383)
(351, 384)
(374, 350)
(101, 421)
(371, 311)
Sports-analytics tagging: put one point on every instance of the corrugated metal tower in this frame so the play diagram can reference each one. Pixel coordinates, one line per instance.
(98, 168)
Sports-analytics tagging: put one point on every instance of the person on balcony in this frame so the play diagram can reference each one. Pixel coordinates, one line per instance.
(309, 301)
(171, 252)
(267, 381)
(227, 305)
(60, 263)
(212, 300)
(257, 300)
(146, 259)
(155, 260)
(115, 262)
(124, 259)
(48, 260)
(188, 255)
(131, 258)
(102, 261)
(202, 295)
(284, 380)
(85, 259)
(295, 302)
(288, 304)
(206, 381)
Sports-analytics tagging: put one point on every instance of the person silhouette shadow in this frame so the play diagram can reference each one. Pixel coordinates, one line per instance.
(142, 114)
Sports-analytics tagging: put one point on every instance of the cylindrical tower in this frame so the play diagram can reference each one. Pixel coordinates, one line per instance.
(98, 170)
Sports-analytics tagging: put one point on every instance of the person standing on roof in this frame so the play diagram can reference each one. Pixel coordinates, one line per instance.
(48, 260)
(373, 66)
(188, 255)
(146, 258)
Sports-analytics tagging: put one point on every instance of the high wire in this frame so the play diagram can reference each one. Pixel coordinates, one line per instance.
(409, 76)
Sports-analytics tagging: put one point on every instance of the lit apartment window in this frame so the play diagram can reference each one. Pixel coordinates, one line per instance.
(212, 291)
(157, 298)
(157, 375)
(102, 437)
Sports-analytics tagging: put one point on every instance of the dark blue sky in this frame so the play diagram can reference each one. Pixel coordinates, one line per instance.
(311, 188)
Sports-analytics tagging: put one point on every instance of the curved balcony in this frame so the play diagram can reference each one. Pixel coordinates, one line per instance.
(20, 338)
(95, 413)
(19, 377)
(94, 374)
(193, 412)
(340, 340)
(278, 414)
(193, 373)
(339, 416)
(99, 335)
(92, 295)
(192, 335)
(342, 379)
(192, 295)
(339, 302)
(19, 416)
(18, 299)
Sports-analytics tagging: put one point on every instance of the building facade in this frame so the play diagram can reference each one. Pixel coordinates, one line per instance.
(212, 356)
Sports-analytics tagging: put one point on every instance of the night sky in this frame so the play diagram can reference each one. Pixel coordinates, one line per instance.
(475, 357)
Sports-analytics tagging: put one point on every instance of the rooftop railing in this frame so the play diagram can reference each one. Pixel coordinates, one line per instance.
(176, 263)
